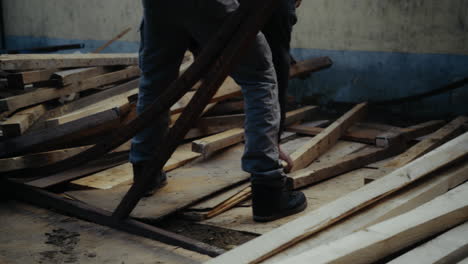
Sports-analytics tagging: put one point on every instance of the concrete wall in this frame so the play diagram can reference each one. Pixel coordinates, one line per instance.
(381, 48)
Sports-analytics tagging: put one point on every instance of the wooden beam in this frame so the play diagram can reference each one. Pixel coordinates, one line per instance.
(383, 239)
(108, 161)
(207, 126)
(20, 79)
(450, 247)
(87, 212)
(45, 94)
(327, 138)
(114, 176)
(113, 102)
(295, 231)
(56, 61)
(120, 90)
(402, 136)
(20, 122)
(396, 204)
(68, 77)
(446, 133)
(304, 177)
(43, 140)
(38, 159)
(209, 145)
(359, 132)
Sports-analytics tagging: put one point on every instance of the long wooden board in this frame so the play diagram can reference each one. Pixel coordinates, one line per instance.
(450, 247)
(45, 94)
(20, 122)
(289, 234)
(429, 143)
(38, 159)
(123, 174)
(19, 80)
(327, 138)
(383, 239)
(396, 204)
(209, 145)
(56, 61)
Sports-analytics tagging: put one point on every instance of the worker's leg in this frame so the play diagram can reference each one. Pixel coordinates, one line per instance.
(256, 76)
(278, 34)
(163, 46)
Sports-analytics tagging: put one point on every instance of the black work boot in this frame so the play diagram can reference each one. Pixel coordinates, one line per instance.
(271, 202)
(159, 179)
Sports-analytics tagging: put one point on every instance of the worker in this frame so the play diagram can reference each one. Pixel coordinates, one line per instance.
(167, 30)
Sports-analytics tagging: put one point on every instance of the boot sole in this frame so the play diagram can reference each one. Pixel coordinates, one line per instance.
(263, 219)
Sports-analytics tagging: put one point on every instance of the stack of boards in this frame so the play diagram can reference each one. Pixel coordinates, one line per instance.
(376, 192)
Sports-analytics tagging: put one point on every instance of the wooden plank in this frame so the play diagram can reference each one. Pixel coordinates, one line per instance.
(104, 163)
(308, 66)
(20, 122)
(38, 159)
(289, 234)
(123, 174)
(450, 247)
(402, 136)
(44, 139)
(359, 132)
(19, 80)
(327, 138)
(120, 90)
(56, 61)
(304, 177)
(209, 145)
(211, 125)
(68, 77)
(401, 202)
(115, 101)
(388, 237)
(45, 94)
(186, 185)
(431, 142)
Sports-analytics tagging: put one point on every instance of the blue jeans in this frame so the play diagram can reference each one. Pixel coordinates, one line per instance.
(167, 30)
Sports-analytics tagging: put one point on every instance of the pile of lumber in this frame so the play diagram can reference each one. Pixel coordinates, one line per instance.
(376, 192)
(412, 209)
(54, 106)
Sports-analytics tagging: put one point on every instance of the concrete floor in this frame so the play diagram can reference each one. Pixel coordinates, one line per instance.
(32, 235)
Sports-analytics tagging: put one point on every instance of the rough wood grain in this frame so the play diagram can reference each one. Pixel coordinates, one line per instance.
(124, 173)
(56, 61)
(45, 94)
(38, 159)
(450, 247)
(209, 145)
(20, 122)
(327, 138)
(19, 80)
(383, 239)
(401, 202)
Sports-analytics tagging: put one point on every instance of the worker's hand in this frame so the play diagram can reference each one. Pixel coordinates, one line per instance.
(286, 158)
(298, 3)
